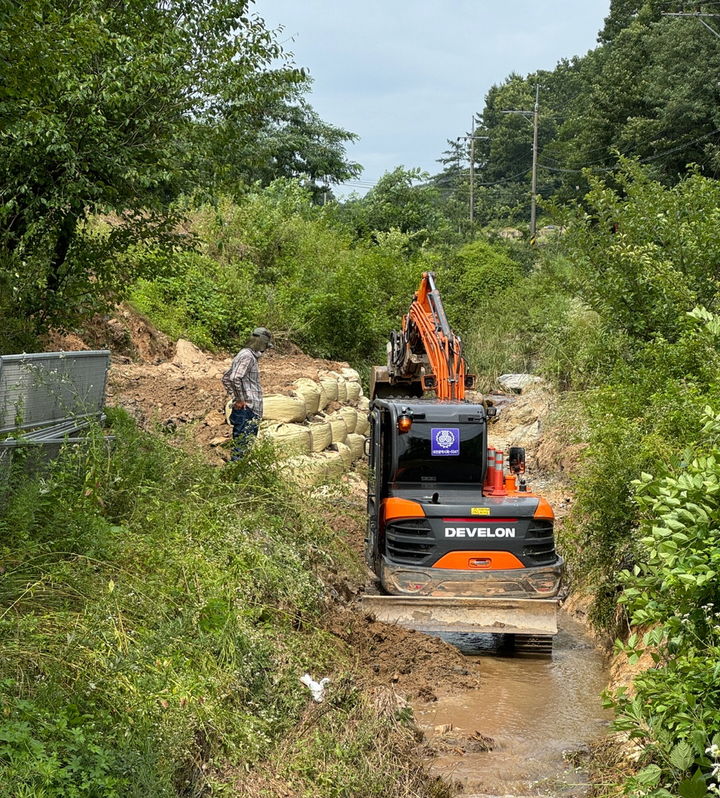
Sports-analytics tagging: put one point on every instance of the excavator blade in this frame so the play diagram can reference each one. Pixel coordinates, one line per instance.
(467, 615)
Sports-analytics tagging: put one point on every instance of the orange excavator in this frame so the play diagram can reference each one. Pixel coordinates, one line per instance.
(426, 355)
(456, 544)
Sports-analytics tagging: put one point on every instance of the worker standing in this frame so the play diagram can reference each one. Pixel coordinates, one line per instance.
(242, 382)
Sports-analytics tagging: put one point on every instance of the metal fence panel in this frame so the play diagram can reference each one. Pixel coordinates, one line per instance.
(43, 388)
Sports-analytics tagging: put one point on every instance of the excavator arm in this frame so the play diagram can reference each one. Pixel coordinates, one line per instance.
(425, 355)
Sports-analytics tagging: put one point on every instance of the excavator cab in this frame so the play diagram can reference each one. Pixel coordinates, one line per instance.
(455, 543)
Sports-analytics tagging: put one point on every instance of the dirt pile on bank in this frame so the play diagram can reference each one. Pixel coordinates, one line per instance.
(414, 663)
(177, 385)
(126, 333)
(187, 388)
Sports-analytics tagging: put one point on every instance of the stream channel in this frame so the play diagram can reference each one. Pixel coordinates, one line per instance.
(541, 714)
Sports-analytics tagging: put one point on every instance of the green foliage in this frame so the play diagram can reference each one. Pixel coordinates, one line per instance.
(672, 590)
(479, 272)
(650, 409)
(401, 200)
(276, 259)
(644, 255)
(202, 300)
(115, 109)
(156, 614)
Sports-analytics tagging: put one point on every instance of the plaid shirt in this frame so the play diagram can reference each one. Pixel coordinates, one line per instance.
(242, 380)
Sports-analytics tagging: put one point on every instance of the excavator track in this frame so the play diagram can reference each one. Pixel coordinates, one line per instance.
(532, 645)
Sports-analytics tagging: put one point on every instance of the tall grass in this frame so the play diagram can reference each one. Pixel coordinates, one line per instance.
(155, 614)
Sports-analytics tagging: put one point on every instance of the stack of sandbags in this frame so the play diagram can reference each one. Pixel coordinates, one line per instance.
(338, 427)
(320, 435)
(345, 453)
(315, 445)
(305, 469)
(356, 444)
(362, 426)
(349, 416)
(310, 392)
(330, 387)
(288, 439)
(278, 407)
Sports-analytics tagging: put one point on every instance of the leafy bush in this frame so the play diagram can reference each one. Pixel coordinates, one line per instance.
(478, 272)
(275, 259)
(212, 305)
(672, 591)
(644, 254)
(648, 413)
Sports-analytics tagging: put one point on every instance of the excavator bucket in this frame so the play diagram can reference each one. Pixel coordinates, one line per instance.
(434, 614)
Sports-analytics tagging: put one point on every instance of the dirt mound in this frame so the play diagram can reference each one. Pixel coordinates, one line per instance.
(188, 389)
(520, 421)
(126, 333)
(414, 663)
(178, 384)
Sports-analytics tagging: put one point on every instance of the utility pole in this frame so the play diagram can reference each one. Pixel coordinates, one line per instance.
(472, 171)
(533, 181)
(472, 138)
(533, 189)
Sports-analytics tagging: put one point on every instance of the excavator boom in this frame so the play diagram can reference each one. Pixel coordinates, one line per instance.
(426, 355)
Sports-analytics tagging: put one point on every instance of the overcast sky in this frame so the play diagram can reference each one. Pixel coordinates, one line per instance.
(406, 75)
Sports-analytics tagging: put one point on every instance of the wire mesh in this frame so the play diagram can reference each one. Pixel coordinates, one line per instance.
(49, 387)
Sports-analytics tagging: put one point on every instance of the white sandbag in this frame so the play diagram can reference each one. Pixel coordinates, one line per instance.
(289, 439)
(346, 454)
(353, 392)
(309, 391)
(362, 426)
(363, 404)
(342, 390)
(338, 428)
(356, 444)
(334, 464)
(277, 407)
(349, 414)
(305, 470)
(323, 401)
(350, 375)
(320, 435)
(330, 386)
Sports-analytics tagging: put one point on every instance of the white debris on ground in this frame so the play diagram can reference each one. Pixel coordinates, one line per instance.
(317, 689)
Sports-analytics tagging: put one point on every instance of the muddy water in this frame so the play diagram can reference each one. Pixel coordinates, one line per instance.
(539, 712)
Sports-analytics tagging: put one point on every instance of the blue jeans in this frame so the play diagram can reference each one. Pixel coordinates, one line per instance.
(245, 428)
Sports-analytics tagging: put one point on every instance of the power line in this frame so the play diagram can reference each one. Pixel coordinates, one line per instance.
(647, 159)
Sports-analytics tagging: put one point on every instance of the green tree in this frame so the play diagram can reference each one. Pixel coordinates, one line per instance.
(289, 140)
(101, 108)
(646, 254)
(401, 200)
